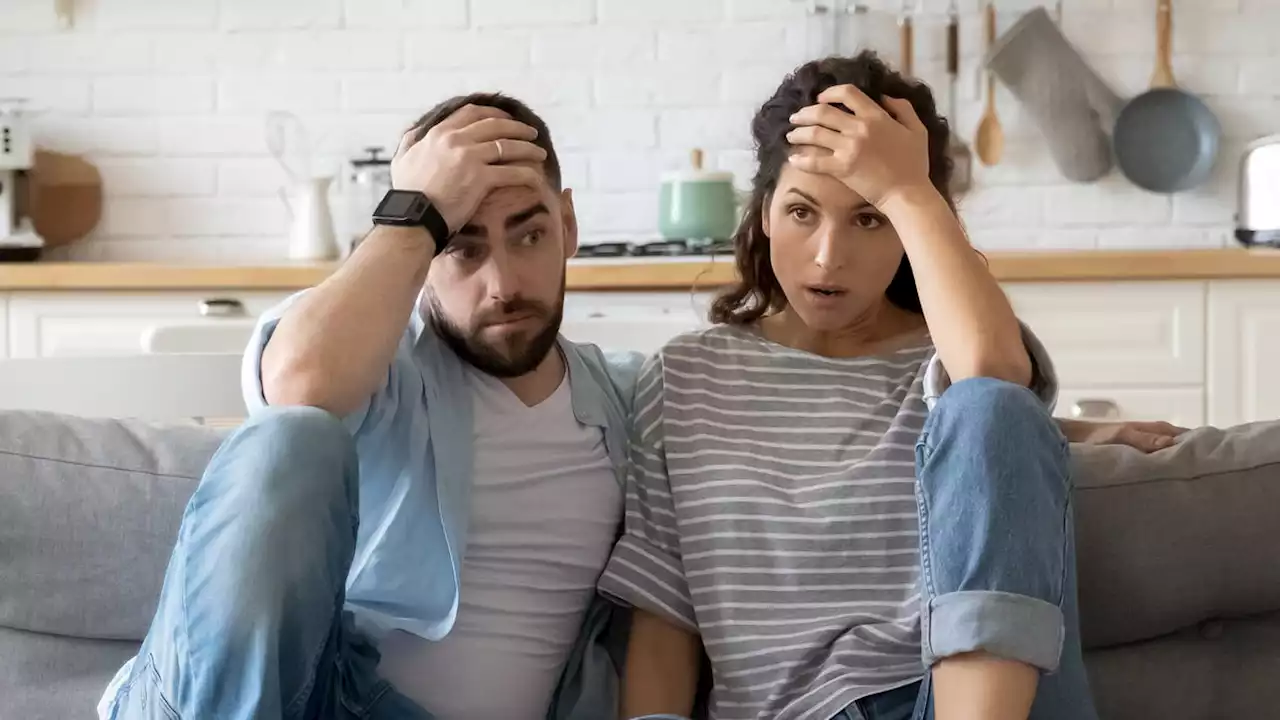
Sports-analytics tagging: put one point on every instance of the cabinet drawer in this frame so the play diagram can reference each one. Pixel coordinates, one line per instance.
(1124, 334)
(1180, 406)
(104, 323)
(642, 322)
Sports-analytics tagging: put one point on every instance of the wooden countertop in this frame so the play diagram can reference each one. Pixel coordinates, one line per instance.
(659, 274)
(157, 276)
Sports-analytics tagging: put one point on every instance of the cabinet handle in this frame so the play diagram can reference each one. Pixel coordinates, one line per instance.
(1095, 410)
(221, 307)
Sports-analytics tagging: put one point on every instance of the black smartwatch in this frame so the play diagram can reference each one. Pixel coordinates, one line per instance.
(410, 208)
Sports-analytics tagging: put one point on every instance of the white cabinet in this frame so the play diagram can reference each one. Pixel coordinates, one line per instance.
(4, 326)
(1180, 406)
(1120, 334)
(632, 321)
(1187, 352)
(1123, 351)
(1244, 339)
(47, 324)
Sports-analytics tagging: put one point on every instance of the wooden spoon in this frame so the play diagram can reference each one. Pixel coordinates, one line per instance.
(990, 138)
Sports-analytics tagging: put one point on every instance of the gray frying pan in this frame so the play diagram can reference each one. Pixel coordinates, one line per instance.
(1166, 140)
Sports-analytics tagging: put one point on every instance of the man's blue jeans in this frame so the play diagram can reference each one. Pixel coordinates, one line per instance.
(997, 549)
(250, 622)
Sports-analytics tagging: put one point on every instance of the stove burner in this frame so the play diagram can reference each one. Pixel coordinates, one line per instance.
(666, 247)
(656, 248)
(1258, 238)
(604, 249)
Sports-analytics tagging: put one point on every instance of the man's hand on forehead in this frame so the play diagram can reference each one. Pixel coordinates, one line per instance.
(471, 114)
(464, 158)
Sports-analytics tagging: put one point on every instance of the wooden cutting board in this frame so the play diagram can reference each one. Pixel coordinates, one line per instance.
(63, 197)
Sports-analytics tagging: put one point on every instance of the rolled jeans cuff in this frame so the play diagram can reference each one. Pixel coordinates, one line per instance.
(1006, 625)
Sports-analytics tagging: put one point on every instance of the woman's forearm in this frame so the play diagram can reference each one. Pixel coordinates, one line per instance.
(661, 674)
(332, 348)
(969, 317)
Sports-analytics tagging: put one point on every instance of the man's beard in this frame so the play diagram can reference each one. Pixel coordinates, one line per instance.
(527, 352)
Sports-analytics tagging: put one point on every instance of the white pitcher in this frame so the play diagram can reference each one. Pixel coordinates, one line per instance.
(311, 235)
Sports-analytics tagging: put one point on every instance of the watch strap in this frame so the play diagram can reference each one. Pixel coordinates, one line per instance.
(434, 222)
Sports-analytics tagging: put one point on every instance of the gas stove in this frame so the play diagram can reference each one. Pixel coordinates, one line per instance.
(654, 248)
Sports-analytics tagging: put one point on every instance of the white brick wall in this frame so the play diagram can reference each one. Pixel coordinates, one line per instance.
(405, 14)
(522, 13)
(153, 95)
(115, 15)
(168, 98)
(151, 177)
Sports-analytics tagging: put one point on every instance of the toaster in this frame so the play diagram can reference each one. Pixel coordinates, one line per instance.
(1258, 204)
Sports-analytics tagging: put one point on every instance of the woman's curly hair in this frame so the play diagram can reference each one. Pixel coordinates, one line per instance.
(757, 292)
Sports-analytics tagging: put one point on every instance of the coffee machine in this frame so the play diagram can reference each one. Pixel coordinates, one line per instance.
(18, 238)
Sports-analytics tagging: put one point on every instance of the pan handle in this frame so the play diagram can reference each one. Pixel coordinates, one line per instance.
(1163, 75)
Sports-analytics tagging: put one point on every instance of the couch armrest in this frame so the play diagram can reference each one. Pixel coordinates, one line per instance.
(1179, 536)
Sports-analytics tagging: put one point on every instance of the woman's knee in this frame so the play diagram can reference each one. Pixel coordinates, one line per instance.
(992, 443)
(987, 411)
(984, 399)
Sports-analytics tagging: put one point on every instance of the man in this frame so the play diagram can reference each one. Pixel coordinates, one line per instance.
(412, 522)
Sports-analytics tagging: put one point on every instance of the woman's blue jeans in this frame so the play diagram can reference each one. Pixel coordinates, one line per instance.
(997, 549)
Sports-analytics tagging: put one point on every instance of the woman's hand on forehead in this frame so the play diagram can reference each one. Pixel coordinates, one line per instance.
(876, 151)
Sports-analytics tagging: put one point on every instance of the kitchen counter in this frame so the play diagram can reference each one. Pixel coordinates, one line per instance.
(651, 273)
(158, 276)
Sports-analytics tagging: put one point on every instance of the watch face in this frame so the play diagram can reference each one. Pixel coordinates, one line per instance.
(398, 203)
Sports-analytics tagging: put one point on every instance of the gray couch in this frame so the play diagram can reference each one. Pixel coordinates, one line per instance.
(1179, 562)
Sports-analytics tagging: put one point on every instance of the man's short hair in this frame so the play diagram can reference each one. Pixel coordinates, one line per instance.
(511, 106)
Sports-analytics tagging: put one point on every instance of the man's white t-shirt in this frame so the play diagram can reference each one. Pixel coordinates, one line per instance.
(544, 510)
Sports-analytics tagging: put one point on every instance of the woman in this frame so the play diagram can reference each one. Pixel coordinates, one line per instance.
(806, 503)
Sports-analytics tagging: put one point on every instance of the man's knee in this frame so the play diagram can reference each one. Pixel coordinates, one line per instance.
(287, 460)
(279, 499)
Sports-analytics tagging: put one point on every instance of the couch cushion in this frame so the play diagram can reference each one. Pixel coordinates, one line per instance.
(89, 510)
(1219, 669)
(46, 677)
(1176, 537)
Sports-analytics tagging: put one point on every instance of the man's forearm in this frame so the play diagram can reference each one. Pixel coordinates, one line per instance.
(662, 668)
(333, 347)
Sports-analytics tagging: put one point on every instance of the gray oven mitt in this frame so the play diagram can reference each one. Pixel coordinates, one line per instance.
(1074, 108)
